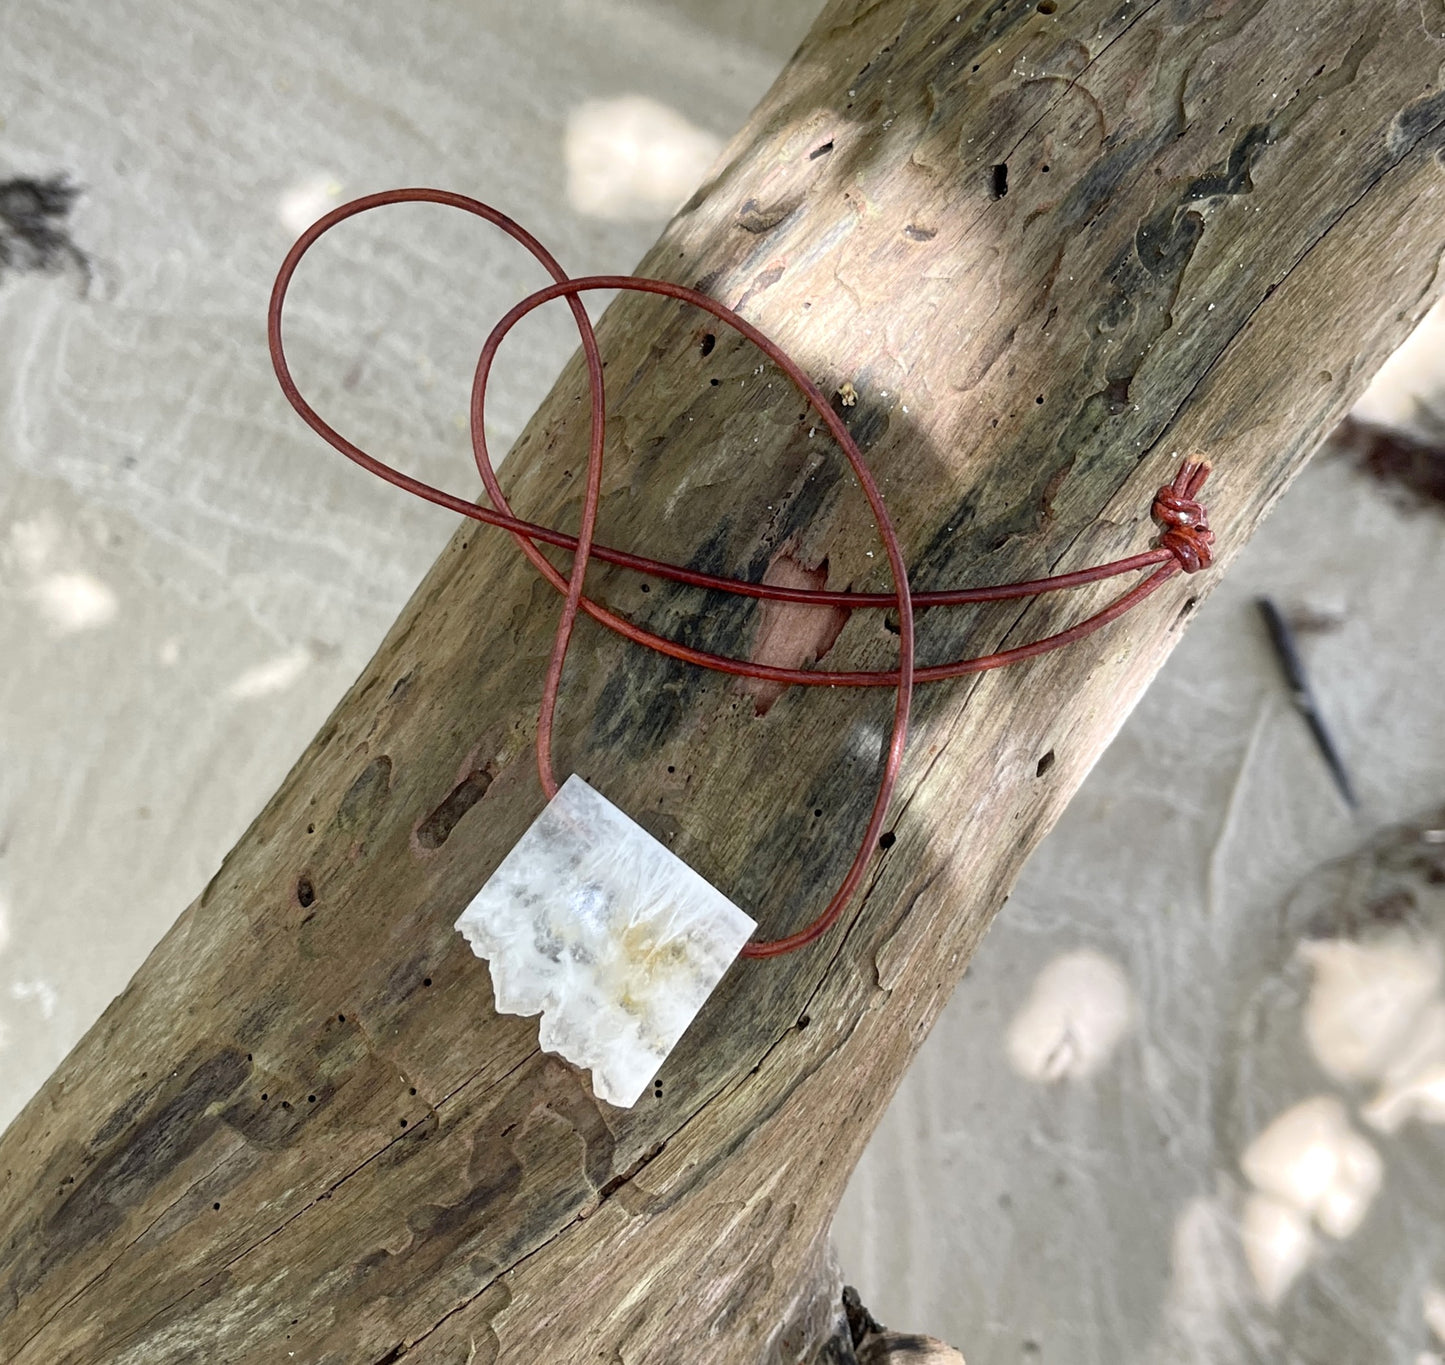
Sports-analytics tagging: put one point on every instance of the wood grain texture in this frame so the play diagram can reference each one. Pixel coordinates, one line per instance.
(302, 1133)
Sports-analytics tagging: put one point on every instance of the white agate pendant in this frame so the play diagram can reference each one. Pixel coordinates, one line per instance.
(614, 939)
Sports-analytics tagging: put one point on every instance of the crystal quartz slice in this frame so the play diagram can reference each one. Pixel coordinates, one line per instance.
(614, 939)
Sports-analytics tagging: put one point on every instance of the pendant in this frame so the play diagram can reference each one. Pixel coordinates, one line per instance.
(610, 936)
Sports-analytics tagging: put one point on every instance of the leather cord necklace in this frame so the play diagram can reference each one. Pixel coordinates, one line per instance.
(1185, 545)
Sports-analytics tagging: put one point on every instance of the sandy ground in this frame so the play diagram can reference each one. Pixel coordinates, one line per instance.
(1169, 1116)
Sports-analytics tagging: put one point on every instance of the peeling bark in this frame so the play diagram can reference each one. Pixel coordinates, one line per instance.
(788, 635)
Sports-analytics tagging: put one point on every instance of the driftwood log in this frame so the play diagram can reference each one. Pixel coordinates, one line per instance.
(1052, 246)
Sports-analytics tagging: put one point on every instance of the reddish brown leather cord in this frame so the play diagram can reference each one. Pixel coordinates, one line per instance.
(1185, 545)
(1186, 524)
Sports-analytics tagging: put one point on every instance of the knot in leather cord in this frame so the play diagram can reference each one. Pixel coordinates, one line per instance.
(1183, 518)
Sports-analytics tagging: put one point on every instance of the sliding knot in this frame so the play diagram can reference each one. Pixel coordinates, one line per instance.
(1186, 524)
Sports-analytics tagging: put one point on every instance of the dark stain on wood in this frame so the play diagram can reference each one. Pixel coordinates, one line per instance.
(867, 422)
(565, 1093)
(122, 1116)
(268, 1120)
(1418, 121)
(1102, 179)
(437, 1231)
(1145, 279)
(160, 1135)
(262, 1015)
(1236, 174)
(646, 693)
(408, 977)
(366, 796)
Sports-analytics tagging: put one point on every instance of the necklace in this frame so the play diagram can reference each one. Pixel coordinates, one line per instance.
(653, 937)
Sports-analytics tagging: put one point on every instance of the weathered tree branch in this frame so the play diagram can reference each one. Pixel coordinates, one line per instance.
(1051, 247)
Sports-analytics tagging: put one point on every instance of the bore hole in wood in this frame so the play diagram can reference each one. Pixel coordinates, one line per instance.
(1045, 763)
(426, 981)
(803, 1021)
(1048, 7)
(886, 841)
(708, 342)
(215, 1206)
(403, 1123)
(305, 893)
(437, 828)
(1000, 180)
(413, 1090)
(311, 1099)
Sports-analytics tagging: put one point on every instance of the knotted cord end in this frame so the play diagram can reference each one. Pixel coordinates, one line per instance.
(1183, 518)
